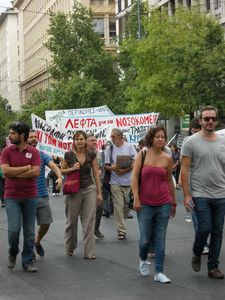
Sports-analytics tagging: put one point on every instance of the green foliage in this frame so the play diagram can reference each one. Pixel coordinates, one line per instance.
(84, 73)
(178, 65)
(6, 119)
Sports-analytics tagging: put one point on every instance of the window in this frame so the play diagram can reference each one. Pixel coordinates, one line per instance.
(98, 26)
(207, 5)
(112, 27)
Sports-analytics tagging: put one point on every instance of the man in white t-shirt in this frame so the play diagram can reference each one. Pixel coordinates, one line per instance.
(119, 161)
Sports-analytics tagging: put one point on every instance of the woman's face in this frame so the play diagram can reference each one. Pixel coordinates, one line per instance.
(159, 139)
(80, 141)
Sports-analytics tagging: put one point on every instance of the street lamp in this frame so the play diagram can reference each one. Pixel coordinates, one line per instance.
(47, 66)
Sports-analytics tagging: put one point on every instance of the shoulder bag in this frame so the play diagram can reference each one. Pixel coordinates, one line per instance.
(72, 182)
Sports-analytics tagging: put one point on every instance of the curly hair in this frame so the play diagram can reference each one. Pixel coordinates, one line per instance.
(151, 134)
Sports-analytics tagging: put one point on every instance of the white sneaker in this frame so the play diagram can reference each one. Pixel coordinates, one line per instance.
(143, 267)
(160, 277)
(53, 194)
(205, 251)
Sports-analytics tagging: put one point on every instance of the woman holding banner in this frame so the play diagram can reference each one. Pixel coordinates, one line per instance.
(82, 203)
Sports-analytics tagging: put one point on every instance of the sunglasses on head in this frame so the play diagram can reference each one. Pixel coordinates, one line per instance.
(207, 119)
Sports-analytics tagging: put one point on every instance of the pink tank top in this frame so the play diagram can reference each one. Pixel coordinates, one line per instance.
(154, 188)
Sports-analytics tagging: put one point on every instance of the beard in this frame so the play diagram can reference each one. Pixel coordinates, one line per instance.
(33, 144)
(17, 142)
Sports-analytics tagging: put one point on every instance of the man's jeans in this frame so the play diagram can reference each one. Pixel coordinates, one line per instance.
(153, 221)
(210, 214)
(21, 212)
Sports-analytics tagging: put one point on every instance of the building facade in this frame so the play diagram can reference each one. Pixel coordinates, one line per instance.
(34, 22)
(10, 59)
(123, 8)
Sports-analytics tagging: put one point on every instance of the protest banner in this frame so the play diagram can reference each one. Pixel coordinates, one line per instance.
(137, 123)
(55, 116)
(57, 140)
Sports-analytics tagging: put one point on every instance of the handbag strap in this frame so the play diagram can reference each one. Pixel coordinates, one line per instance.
(143, 155)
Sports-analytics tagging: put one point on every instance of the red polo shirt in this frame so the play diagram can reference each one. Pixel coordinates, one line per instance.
(20, 188)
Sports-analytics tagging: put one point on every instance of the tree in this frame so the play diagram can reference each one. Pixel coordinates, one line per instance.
(83, 73)
(6, 118)
(179, 63)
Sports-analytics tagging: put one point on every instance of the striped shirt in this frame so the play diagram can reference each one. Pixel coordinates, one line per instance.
(41, 181)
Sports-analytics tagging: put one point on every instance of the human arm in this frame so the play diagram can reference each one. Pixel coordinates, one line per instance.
(122, 171)
(31, 170)
(32, 173)
(185, 176)
(97, 180)
(57, 172)
(171, 187)
(135, 181)
(66, 168)
(14, 171)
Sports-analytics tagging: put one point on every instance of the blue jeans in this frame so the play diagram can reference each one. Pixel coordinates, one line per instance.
(21, 212)
(210, 214)
(195, 222)
(153, 221)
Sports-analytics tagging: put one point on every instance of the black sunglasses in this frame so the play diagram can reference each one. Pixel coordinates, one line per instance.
(207, 119)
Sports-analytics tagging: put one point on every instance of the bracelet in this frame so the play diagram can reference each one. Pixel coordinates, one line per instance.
(174, 204)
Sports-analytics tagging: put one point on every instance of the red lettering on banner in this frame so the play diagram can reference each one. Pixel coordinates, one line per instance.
(65, 145)
(39, 135)
(136, 121)
(72, 123)
(100, 143)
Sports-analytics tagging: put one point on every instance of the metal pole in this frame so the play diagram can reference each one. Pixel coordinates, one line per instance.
(139, 19)
(48, 81)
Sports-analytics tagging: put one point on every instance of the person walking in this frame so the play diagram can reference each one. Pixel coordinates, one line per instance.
(54, 177)
(119, 161)
(2, 184)
(203, 181)
(44, 213)
(92, 146)
(21, 167)
(154, 199)
(84, 201)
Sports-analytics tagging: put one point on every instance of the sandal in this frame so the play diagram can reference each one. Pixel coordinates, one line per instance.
(90, 257)
(69, 252)
(121, 236)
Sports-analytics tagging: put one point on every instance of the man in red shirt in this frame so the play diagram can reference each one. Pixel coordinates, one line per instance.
(20, 166)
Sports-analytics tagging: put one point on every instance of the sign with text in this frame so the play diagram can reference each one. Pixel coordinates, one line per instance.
(93, 124)
(56, 116)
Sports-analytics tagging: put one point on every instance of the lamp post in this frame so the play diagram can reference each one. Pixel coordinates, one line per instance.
(47, 67)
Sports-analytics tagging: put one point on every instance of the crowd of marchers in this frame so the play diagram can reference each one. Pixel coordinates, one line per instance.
(112, 181)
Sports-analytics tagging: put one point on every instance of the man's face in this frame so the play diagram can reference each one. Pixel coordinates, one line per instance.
(32, 139)
(208, 120)
(14, 137)
(91, 143)
(116, 138)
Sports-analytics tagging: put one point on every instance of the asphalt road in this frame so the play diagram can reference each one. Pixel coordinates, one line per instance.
(114, 274)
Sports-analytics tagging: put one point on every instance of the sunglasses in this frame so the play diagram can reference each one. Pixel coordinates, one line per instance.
(207, 119)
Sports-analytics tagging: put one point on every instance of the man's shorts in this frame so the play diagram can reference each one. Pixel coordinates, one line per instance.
(44, 212)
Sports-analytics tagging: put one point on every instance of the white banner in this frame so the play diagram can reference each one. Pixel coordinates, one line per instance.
(92, 124)
(55, 116)
(57, 140)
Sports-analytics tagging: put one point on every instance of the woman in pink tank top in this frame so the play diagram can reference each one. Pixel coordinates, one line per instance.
(154, 199)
